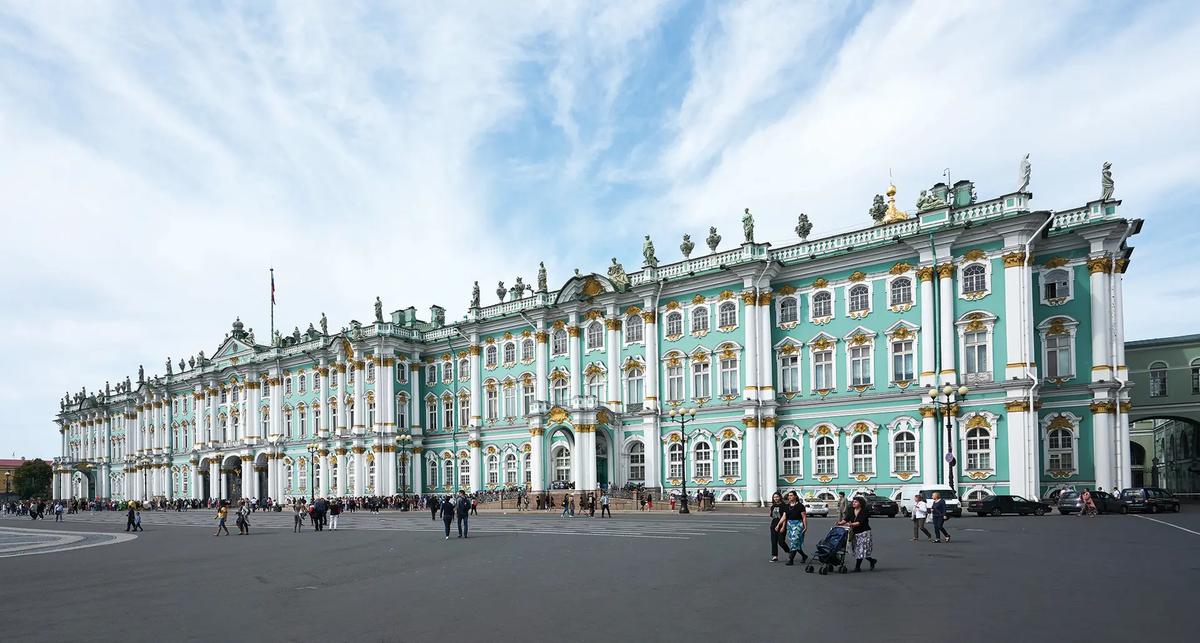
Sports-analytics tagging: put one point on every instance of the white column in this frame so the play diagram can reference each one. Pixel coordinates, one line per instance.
(650, 435)
(946, 325)
(360, 403)
(328, 422)
(248, 477)
(756, 486)
(1102, 364)
(929, 451)
(928, 357)
(766, 378)
(541, 367)
(575, 358)
(359, 459)
(1102, 441)
(613, 324)
(651, 392)
(752, 350)
(770, 457)
(415, 409)
(342, 413)
(476, 457)
(343, 473)
(214, 398)
(476, 384)
(537, 458)
(1018, 314)
(1125, 469)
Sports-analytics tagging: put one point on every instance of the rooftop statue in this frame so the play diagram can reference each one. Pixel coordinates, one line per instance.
(648, 253)
(687, 246)
(475, 295)
(501, 291)
(324, 325)
(1106, 182)
(192, 362)
(250, 336)
(141, 374)
(127, 384)
(928, 201)
(803, 227)
(878, 208)
(892, 214)
(169, 370)
(541, 278)
(616, 274)
(378, 312)
(182, 365)
(748, 226)
(518, 289)
(713, 240)
(1025, 174)
(277, 340)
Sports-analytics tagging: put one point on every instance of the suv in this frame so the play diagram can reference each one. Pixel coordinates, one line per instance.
(1070, 502)
(880, 506)
(1149, 499)
(996, 505)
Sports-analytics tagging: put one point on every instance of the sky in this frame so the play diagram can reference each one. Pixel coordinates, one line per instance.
(156, 159)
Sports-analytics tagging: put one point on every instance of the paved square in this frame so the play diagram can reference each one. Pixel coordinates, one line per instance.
(638, 577)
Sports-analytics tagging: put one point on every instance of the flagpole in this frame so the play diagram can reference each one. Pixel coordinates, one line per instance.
(272, 336)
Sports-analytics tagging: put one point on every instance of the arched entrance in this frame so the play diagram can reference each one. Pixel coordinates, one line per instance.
(81, 484)
(204, 479)
(603, 448)
(231, 472)
(1169, 448)
(563, 470)
(260, 475)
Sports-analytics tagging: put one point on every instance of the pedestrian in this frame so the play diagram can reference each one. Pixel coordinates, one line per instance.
(604, 510)
(794, 523)
(463, 511)
(447, 506)
(298, 518)
(592, 505)
(920, 511)
(222, 514)
(58, 512)
(1089, 503)
(129, 526)
(474, 504)
(433, 510)
(137, 519)
(841, 503)
(777, 515)
(243, 520)
(335, 510)
(649, 502)
(858, 519)
(939, 518)
(566, 507)
(672, 502)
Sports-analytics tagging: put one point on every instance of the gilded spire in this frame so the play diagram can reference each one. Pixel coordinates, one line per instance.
(893, 214)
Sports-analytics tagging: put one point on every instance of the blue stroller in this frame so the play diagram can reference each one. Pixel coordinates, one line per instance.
(831, 551)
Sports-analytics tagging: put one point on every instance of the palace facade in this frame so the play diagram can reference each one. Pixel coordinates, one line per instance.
(808, 367)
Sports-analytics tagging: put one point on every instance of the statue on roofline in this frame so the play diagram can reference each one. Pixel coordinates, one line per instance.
(648, 253)
(748, 226)
(616, 274)
(687, 246)
(714, 239)
(475, 295)
(1106, 182)
(1026, 172)
(541, 277)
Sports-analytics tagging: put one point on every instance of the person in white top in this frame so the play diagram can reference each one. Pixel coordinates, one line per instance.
(920, 511)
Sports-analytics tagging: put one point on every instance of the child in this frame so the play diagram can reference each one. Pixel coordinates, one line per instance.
(137, 520)
(222, 514)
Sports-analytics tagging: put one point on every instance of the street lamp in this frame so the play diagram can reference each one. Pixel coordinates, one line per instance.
(404, 441)
(313, 447)
(7, 483)
(683, 416)
(944, 402)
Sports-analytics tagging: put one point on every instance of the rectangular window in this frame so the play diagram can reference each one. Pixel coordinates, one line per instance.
(1058, 357)
(860, 366)
(1158, 382)
(447, 414)
(464, 411)
(701, 380)
(431, 416)
(902, 361)
(527, 393)
(635, 387)
(510, 400)
(823, 370)
(675, 383)
(729, 377)
(789, 373)
(493, 402)
(975, 347)
(1195, 382)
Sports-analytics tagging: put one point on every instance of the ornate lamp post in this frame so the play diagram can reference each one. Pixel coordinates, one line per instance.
(7, 483)
(946, 402)
(404, 441)
(683, 416)
(313, 447)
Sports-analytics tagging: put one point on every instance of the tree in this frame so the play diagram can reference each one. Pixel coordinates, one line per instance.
(32, 479)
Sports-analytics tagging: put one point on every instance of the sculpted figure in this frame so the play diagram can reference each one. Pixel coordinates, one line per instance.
(803, 227)
(713, 240)
(687, 246)
(648, 253)
(324, 325)
(1025, 172)
(748, 226)
(501, 291)
(475, 296)
(1106, 182)
(378, 312)
(616, 273)
(541, 278)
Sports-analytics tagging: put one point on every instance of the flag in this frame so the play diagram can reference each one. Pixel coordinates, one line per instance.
(272, 286)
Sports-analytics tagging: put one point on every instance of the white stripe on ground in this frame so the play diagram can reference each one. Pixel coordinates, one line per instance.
(111, 539)
(1163, 522)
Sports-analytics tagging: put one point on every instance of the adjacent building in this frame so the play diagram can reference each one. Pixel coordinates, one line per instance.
(807, 365)
(1165, 447)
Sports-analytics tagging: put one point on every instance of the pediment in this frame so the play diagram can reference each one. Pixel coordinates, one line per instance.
(584, 288)
(232, 348)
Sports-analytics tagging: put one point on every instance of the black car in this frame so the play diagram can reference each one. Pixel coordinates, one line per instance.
(1072, 501)
(996, 505)
(1149, 499)
(880, 506)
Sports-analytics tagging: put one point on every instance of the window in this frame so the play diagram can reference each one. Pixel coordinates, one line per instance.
(863, 451)
(265, 425)
(527, 350)
(558, 391)
(822, 305)
(675, 460)
(489, 356)
(300, 383)
(371, 412)
(633, 329)
(674, 324)
(558, 344)
(370, 371)
(979, 449)
(528, 470)
(350, 376)
(493, 469)
(464, 472)
(976, 345)
(510, 353)
(527, 393)
(595, 335)
(731, 464)
(401, 374)
(401, 411)
(1060, 452)
(562, 464)
(1059, 363)
(902, 360)
(860, 365)
(595, 384)
(447, 372)
(727, 315)
(637, 462)
(904, 452)
(902, 292)
(303, 418)
(1195, 378)
(788, 310)
(316, 381)
(510, 469)
(701, 379)
(823, 370)
(860, 299)
(448, 473)
(430, 375)
(789, 373)
(826, 454)
(634, 386)
(510, 399)
(974, 279)
(431, 414)
(700, 319)
(492, 401)
(729, 376)
(447, 413)
(675, 381)
(791, 457)
(1158, 379)
(1056, 285)
(464, 411)
(431, 472)
(702, 465)
(464, 369)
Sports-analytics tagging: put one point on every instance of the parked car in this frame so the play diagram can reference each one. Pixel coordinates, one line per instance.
(953, 507)
(1149, 499)
(1070, 502)
(880, 506)
(997, 505)
(816, 508)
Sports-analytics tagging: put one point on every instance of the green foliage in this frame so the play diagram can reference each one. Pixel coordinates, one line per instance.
(32, 480)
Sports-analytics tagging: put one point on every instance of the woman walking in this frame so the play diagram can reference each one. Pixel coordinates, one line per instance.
(298, 518)
(447, 514)
(777, 516)
(222, 514)
(939, 518)
(858, 519)
(794, 524)
(920, 511)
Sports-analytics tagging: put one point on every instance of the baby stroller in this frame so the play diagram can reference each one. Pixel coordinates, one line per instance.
(831, 551)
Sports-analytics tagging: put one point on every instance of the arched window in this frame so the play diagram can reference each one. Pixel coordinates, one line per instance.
(264, 422)
(562, 464)
(637, 462)
(979, 449)
(558, 390)
(288, 476)
(287, 386)
(863, 448)
(633, 329)
(791, 457)
(1056, 284)
(595, 335)
(371, 412)
(1158, 379)
(700, 319)
(510, 469)
(860, 299)
(447, 371)
(464, 472)
(1060, 451)
(431, 414)
(596, 383)
(431, 470)
(826, 454)
(370, 371)
(527, 462)
(430, 374)
(489, 359)
(977, 494)
(974, 279)
(448, 474)
(788, 310)
(510, 352)
(902, 292)
(558, 344)
(635, 385)
(904, 452)
(527, 350)
(493, 469)
(675, 460)
(702, 460)
(731, 463)
(464, 369)
(674, 324)
(822, 304)
(402, 411)
(727, 315)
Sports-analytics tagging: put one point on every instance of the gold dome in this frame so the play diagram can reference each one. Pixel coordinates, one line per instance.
(891, 191)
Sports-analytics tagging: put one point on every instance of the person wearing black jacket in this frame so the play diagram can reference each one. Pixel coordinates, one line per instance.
(433, 508)
(463, 509)
(793, 525)
(447, 507)
(858, 519)
(777, 539)
(129, 516)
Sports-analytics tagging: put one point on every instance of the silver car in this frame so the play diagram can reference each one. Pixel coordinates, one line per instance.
(816, 508)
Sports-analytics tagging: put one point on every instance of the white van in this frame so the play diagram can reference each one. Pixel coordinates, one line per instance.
(907, 493)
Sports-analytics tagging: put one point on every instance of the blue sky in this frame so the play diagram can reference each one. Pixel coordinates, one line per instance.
(158, 158)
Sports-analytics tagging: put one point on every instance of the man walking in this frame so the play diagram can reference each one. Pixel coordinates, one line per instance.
(129, 526)
(433, 511)
(939, 517)
(604, 510)
(463, 509)
(447, 506)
